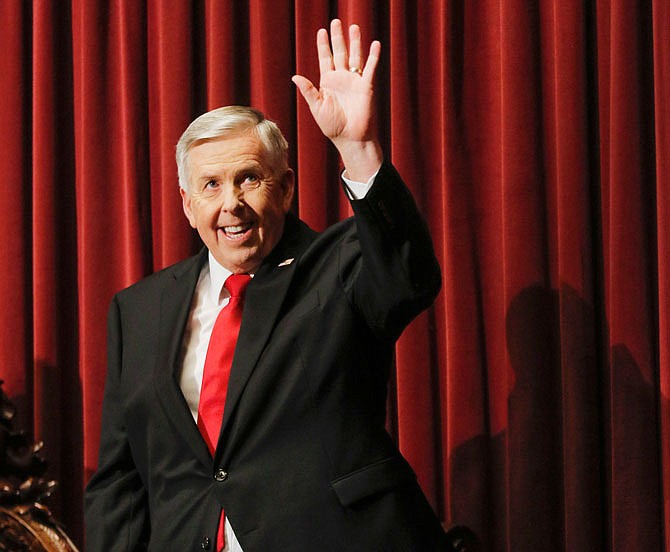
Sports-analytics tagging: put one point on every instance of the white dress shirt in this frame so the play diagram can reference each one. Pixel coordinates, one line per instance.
(209, 298)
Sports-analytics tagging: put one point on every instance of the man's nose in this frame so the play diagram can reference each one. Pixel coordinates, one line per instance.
(232, 197)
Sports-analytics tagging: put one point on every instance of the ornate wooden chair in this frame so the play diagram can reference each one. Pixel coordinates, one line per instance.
(26, 525)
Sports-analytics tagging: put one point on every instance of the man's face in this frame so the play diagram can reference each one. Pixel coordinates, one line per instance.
(237, 200)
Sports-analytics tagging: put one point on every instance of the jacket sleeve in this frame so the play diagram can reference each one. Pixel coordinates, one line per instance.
(116, 510)
(397, 275)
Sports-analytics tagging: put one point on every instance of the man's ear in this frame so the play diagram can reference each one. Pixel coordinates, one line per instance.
(288, 189)
(186, 204)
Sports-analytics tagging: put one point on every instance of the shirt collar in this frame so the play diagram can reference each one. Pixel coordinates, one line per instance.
(217, 277)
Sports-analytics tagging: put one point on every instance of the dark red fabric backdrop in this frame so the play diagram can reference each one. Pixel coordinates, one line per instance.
(533, 399)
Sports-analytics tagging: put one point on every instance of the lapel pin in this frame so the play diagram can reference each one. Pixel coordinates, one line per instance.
(286, 262)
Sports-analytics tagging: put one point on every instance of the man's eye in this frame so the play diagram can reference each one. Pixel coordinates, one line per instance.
(211, 185)
(250, 181)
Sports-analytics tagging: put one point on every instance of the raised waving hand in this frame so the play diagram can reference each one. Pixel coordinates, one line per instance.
(343, 104)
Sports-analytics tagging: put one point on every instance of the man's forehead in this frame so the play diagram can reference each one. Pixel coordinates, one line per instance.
(228, 153)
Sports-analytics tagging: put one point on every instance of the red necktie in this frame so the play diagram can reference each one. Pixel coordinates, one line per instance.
(216, 372)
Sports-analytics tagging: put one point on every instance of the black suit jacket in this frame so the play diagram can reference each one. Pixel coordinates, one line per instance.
(303, 461)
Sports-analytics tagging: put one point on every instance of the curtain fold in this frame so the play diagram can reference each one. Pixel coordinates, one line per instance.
(661, 44)
(15, 224)
(173, 95)
(533, 398)
(628, 193)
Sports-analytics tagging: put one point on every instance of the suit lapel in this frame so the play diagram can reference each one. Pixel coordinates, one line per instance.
(175, 306)
(262, 304)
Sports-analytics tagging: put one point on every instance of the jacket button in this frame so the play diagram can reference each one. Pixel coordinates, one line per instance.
(205, 543)
(220, 475)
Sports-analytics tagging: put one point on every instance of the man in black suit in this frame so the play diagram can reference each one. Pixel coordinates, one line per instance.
(302, 461)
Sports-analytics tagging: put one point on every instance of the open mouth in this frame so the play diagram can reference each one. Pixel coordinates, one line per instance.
(237, 232)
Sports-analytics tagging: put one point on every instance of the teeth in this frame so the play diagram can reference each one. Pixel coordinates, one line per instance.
(236, 229)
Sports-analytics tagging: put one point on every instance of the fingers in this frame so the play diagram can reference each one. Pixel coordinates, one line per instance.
(323, 51)
(355, 47)
(309, 92)
(307, 89)
(340, 58)
(336, 58)
(373, 59)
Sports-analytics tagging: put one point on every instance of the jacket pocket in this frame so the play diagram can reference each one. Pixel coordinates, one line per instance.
(378, 477)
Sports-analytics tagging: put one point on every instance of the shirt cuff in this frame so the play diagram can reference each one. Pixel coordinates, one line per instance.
(358, 190)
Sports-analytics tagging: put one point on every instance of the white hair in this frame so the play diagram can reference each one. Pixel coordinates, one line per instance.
(228, 121)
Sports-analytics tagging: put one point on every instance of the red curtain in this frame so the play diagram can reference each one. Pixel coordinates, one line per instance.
(533, 398)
